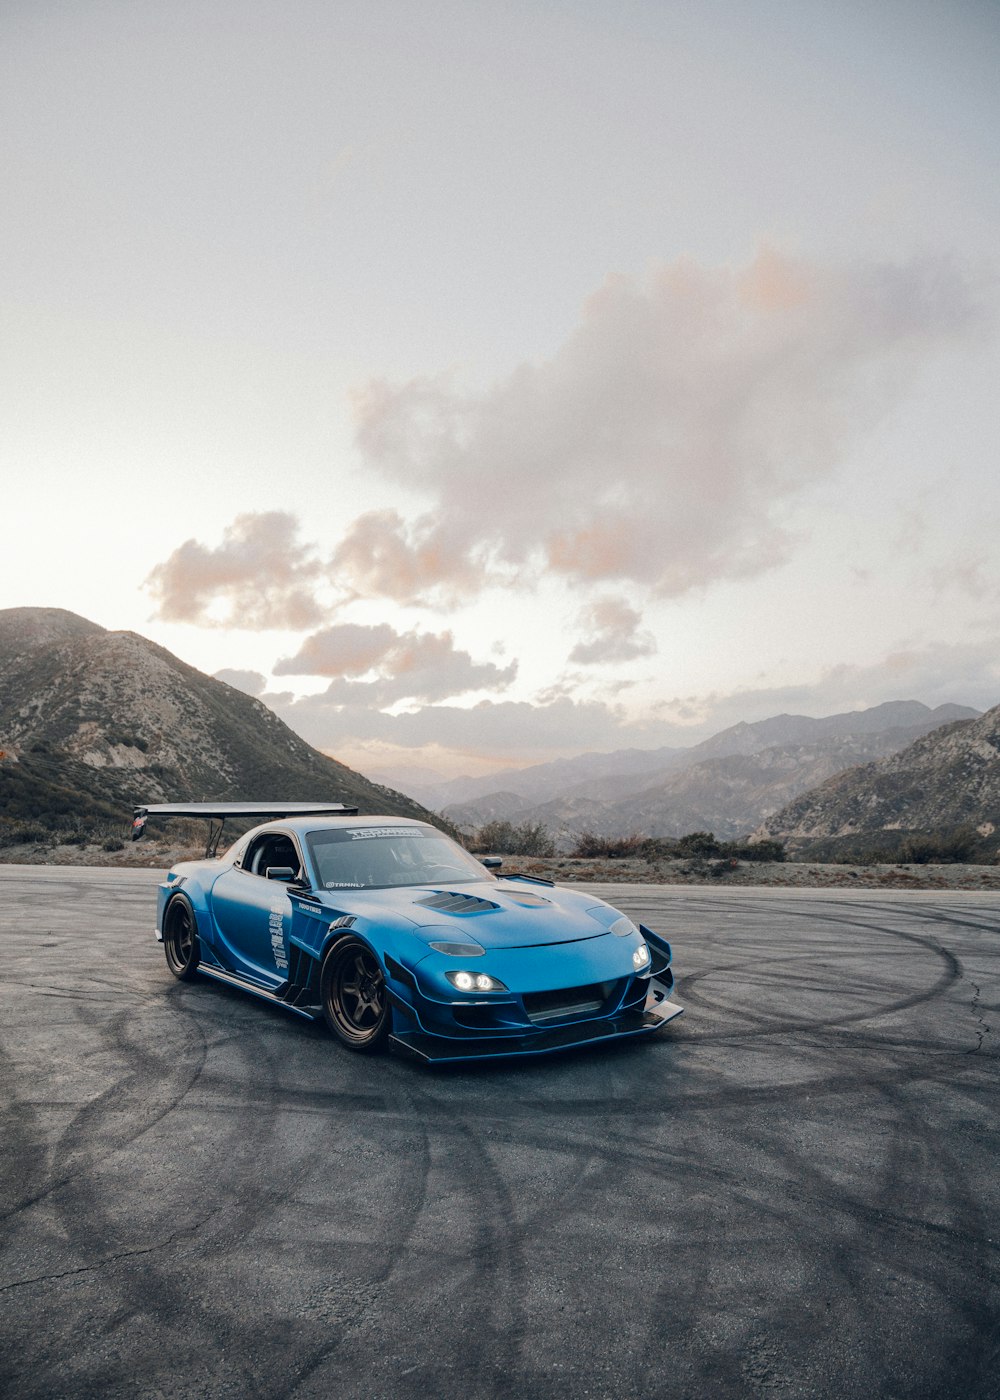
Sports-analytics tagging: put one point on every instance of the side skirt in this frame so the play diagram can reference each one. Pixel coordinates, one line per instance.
(232, 980)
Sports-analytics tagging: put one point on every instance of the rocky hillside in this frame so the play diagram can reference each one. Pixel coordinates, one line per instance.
(93, 722)
(948, 779)
(728, 784)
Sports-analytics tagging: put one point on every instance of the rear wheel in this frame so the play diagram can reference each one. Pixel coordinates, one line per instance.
(355, 1000)
(180, 939)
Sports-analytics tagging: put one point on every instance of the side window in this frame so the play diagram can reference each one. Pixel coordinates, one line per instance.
(269, 849)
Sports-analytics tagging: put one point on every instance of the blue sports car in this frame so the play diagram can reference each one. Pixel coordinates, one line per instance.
(394, 935)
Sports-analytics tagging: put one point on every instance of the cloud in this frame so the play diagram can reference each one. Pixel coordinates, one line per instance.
(508, 727)
(661, 446)
(522, 731)
(411, 665)
(261, 571)
(250, 682)
(966, 673)
(974, 576)
(382, 555)
(349, 649)
(662, 441)
(614, 635)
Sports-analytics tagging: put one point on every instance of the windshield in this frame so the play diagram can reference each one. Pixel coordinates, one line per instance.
(374, 857)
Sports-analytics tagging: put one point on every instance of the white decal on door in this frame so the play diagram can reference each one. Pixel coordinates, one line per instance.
(277, 942)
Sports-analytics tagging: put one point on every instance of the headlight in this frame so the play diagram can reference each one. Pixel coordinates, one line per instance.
(623, 927)
(640, 956)
(474, 982)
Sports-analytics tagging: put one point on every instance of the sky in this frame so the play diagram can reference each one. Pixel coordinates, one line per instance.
(484, 383)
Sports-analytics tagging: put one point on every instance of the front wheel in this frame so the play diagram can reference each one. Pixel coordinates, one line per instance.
(180, 939)
(355, 1000)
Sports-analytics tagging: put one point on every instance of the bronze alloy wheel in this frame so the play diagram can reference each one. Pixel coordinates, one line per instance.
(180, 939)
(355, 1001)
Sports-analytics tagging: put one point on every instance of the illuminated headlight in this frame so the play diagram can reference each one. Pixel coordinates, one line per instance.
(474, 982)
(640, 957)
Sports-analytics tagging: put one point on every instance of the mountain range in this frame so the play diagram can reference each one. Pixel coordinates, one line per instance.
(93, 722)
(729, 783)
(944, 782)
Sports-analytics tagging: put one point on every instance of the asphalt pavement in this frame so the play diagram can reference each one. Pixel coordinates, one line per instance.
(792, 1190)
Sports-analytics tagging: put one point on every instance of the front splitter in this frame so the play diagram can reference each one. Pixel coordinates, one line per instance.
(444, 1050)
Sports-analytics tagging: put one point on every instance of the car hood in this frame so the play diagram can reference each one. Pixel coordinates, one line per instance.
(496, 915)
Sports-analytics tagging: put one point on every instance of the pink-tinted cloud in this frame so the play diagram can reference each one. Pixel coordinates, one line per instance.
(410, 665)
(260, 570)
(613, 634)
(659, 446)
(660, 443)
(382, 555)
(348, 649)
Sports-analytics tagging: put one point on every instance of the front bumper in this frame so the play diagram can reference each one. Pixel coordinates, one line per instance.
(657, 1011)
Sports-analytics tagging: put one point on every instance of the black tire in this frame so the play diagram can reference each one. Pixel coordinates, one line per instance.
(180, 938)
(354, 995)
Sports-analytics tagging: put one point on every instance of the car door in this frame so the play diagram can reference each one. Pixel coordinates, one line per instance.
(253, 914)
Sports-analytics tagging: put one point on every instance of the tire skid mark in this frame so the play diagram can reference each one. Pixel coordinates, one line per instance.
(856, 1234)
(23, 1150)
(410, 1204)
(495, 1287)
(157, 1291)
(746, 1186)
(845, 1080)
(949, 976)
(490, 1268)
(482, 1277)
(138, 1090)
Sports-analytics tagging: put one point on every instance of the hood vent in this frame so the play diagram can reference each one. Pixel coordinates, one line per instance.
(448, 902)
(529, 901)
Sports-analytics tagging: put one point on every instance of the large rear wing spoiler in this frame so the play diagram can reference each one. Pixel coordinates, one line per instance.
(213, 812)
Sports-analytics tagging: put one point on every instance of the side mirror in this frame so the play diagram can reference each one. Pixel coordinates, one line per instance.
(492, 862)
(284, 873)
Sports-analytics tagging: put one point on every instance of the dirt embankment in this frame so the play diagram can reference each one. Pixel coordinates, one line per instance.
(567, 869)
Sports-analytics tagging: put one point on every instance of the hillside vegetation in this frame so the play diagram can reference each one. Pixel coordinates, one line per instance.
(943, 788)
(94, 722)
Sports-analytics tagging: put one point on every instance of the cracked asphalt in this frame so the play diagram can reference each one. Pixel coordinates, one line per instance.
(792, 1191)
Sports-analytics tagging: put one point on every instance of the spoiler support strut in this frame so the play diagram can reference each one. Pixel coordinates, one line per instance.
(217, 812)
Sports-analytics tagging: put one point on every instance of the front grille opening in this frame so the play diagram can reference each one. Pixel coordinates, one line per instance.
(542, 1007)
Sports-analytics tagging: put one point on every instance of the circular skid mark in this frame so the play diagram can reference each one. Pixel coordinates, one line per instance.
(145, 1085)
(825, 959)
(726, 1209)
